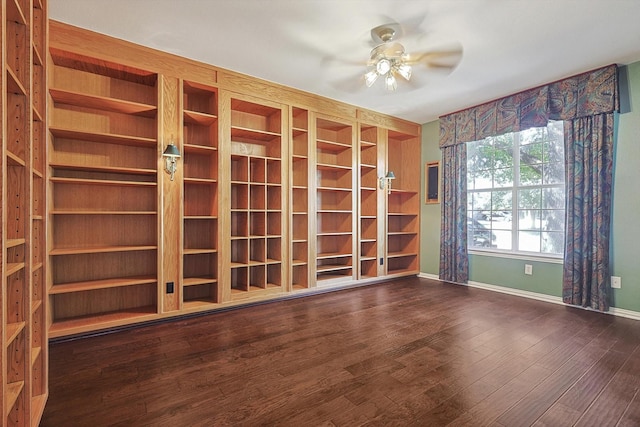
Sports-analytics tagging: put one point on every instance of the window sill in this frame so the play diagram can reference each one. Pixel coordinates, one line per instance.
(521, 256)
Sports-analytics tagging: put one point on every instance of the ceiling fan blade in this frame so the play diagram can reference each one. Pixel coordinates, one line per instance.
(447, 58)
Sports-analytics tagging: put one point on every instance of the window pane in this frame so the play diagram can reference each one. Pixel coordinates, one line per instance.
(553, 173)
(530, 175)
(531, 154)
(553, 198)
(530, 198)
(553, 242)
(529, 220)
(503, 177)
(502, 200)
(478, 156)
(479, 235)
(533, 135)
(481, 200)
(482, 179)
(553, 220)
(503, 150)
(529, 241)
(503, 239)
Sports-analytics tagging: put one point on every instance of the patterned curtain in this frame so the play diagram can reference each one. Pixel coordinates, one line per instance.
(579, 101)
(454, 259)
(589, 176)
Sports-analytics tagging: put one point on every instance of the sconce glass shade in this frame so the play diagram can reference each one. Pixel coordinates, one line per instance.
(171, 151)
(385, 181)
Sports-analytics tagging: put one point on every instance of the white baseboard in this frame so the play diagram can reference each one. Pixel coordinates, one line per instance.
(620, 312)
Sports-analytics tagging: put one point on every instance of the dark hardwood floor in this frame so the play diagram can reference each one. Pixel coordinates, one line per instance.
(406, 352)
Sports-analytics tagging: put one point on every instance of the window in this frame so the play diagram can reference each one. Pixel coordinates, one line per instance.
(515, 191)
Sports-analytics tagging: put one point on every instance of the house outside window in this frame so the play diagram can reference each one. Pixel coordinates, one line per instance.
(516, 193)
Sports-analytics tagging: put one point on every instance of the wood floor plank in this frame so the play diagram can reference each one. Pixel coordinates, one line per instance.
(617, 397)
(407, 352)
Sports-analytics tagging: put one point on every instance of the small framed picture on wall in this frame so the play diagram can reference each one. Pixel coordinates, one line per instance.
(432, 182)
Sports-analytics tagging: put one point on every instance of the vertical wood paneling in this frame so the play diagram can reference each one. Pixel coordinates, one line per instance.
(224, 196)
(382, 201)
(171, 196)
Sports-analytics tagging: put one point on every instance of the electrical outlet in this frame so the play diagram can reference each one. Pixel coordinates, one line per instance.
(616, 282)
(528, 269)
(169, 287)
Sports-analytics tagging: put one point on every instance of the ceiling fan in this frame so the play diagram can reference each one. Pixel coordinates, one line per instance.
(389, 59)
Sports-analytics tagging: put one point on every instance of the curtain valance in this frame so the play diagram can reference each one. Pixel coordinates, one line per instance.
(587, 94)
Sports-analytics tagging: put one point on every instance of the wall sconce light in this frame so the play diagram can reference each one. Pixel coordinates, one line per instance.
(171, 155)
(386, 181)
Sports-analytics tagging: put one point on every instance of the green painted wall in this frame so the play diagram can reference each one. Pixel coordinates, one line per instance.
(547, 277)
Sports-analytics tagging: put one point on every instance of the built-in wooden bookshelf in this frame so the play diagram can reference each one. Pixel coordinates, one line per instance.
(200, 229)
(300, 206)
(103, 180)
(277, 191)
(368, 203)
(257, 175)
(23, 204)
(336, 201)
(403, 204)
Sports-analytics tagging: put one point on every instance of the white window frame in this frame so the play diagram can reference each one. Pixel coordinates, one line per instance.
(515, 217)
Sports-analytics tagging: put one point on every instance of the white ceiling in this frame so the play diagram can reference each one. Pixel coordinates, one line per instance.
(317, 45)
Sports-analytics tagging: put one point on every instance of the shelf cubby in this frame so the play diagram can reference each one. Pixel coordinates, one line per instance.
(200, 284)
(199, 98)
(200, 294)
(79, 310)
(239, 224)
(299, 200)
(200, 234)
(257, 197)
(239, 279)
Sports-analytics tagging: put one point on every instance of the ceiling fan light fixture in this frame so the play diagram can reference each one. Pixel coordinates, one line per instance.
(404, 70)
(383, 66)
(371, 77)
(390, 82)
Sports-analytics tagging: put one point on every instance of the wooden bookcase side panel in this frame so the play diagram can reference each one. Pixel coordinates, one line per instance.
(22, 207)
(17, 213)
(18, 49)
(38, 149)
(17, 143)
